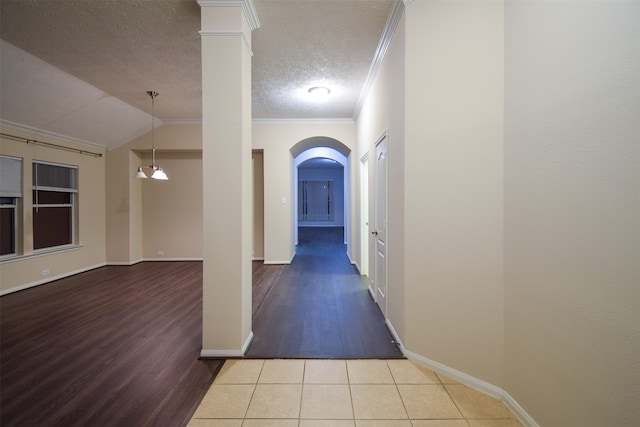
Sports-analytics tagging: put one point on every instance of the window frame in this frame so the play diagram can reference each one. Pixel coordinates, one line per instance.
(13, 207)
(72, 191)
(14, 193)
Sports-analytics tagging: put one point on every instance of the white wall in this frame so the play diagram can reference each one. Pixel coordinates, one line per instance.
(572, 211)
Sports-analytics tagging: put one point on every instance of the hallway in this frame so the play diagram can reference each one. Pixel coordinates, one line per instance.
(319, 307)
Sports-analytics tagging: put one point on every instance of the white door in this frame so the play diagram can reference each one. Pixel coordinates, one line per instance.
(380, 230)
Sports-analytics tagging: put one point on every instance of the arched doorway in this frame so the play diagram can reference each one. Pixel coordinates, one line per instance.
(322, 158)
(322, 196)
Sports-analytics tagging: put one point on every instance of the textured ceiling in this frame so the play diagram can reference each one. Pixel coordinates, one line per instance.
(302, 44)
(121, 48)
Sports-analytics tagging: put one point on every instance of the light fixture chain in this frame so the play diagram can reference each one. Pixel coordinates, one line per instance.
(158, 173)
(153, 95)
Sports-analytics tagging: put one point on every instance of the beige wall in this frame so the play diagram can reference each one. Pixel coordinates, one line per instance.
(27, 270)
(118, 205)
(145, 216)
(276, 139)
(135, 209)
(438, 97)
(226, 158)
(258, 205)
(572, 214)
(383, 113)
(453, 185)
(137, 230)
(172, 210)
(520, 206)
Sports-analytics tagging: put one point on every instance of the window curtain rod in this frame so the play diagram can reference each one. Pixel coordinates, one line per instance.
(49, 144)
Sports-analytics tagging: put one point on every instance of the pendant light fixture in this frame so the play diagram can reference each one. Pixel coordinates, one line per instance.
(157, 173)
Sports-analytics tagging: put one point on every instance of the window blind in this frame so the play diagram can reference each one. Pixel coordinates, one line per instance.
(10, 176)
(55, 177)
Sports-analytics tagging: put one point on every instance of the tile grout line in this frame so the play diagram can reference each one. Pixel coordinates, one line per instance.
(395, 383)
(454, 402)
(304, 370)
(255, 387)
(353, 409)
(444, 386)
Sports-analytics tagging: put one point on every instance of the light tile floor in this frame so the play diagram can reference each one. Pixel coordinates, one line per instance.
(343, 393)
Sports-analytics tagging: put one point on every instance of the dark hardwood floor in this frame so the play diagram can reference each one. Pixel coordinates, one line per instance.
(119, 346)
(320, 307)
(263, 278)
(115, 346)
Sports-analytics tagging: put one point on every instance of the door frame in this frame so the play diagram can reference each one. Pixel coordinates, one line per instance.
(373, 235)
(364, 218)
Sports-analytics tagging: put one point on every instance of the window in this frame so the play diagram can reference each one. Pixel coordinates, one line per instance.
(315, 203)
(10, 193)
(55, 190)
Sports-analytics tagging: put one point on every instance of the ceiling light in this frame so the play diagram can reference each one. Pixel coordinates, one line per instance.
(319, 91)
(158, 172)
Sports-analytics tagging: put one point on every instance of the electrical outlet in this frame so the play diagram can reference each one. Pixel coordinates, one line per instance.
(45, 272)
(160, 253)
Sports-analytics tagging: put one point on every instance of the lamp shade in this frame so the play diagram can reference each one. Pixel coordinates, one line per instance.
(159, 174)
(140, 173)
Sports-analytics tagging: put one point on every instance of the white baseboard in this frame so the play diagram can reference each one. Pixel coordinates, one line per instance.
(247, 343)
(227, 353)
(50, 279)
(220, 354)
(465, 379)
(517, 409)
(474, 383)
(352, 262)
(357, 266)
(394, 334)
(152, 259)
(125, 263)
(281, 262)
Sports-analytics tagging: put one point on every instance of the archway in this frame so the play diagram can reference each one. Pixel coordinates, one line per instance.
(318, 150)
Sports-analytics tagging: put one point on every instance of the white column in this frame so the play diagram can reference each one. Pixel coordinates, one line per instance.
(227, 187)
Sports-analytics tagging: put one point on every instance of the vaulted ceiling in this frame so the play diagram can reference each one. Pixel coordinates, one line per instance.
(81, 68)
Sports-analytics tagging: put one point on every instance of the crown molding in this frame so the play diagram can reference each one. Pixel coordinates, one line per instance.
(267, 121)
(383, 45)
(248, 8)
(303, 121)
(182, 121)
(24, 128)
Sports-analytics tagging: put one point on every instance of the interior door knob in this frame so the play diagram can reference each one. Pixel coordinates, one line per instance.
(374, 232)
